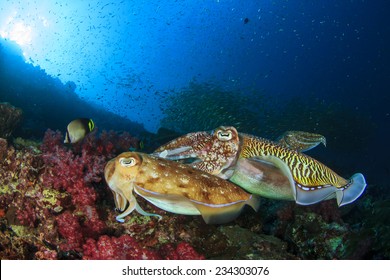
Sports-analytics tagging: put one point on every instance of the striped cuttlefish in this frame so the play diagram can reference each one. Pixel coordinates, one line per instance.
(273, 169)
(173, 187)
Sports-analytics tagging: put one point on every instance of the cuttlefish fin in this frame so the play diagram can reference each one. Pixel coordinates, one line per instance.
(224, 213)
(169, 202)
(307, 195)
(312, 195)
(356, 186)
(344, 195)
(211, 213)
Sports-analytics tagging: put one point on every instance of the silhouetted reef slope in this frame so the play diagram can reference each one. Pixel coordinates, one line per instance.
(46, 102)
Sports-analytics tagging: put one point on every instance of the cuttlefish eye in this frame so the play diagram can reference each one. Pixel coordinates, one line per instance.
(224, 135)
(127, 162)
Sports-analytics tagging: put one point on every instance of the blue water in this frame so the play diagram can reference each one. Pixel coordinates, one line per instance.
(126, 57)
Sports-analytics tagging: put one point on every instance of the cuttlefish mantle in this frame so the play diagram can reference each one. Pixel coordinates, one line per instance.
(173, 187)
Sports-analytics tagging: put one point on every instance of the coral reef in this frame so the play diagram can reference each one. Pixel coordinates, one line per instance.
(112, 248)
(10, 117)
(370, 230)
(251, 246)
(3, 148)
(54, 204)
(313, 238)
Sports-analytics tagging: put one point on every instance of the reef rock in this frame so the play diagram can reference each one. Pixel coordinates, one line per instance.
(10, 118)
(252, 246)
(3, 148)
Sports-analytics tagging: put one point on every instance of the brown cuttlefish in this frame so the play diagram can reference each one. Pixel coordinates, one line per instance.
(272, 169)
(173, 187)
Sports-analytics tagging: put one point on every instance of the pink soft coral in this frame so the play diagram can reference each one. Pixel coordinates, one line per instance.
(112, 248)
(183, 251)
(71, 172)
(78, 170)
(69, 228)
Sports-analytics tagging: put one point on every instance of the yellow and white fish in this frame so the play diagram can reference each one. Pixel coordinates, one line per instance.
(78, 129)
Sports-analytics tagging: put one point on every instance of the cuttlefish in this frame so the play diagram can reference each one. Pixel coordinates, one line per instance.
(173, 187)
(300, 140)
(273, 169)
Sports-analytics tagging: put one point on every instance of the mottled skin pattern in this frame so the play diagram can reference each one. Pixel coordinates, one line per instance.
(162, 178)
(217, 151)
(301, 140)
(306, 171)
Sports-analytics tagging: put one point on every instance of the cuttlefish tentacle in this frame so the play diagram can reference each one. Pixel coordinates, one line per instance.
(122, 192)
(186, 146)
(268, 169)
(173, 187)
(217, 150)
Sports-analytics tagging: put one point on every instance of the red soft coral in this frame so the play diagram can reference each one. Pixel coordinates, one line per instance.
(93, 226)
(73, 173)
(113, 248)
(70, 229)
(82, 194)
(51, 141)
(183, 251)
(27, 215)
(78, 170)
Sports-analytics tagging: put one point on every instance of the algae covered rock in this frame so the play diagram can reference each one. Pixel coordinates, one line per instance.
(312, 238)
(10, 118)
(252, 246)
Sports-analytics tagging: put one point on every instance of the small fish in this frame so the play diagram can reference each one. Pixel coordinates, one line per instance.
(173, 187)
(141, 146)
(78, 129)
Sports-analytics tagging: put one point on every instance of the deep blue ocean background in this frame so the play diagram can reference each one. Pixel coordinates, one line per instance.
(262, 66)
(320, 66)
